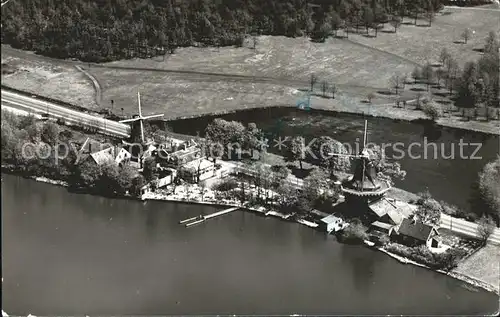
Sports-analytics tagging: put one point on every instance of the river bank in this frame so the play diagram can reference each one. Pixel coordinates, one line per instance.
(267, 212)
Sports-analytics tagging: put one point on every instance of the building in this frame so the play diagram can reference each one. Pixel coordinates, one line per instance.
(413, 233)
(385, 211)
(177, 153)
(204, 167)
(332, 223)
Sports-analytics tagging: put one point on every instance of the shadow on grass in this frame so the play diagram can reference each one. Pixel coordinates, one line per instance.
(458, 42)
(417, 89)
(387, 31)
(385, 92)
(441, 94)
(480, 50)
(299, 173)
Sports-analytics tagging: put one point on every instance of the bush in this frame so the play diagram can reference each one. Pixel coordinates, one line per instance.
(421, 254)
(485, 228)
(432, 110)
(355, 233)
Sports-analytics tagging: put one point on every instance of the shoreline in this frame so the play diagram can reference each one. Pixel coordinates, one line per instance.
(263, 211)
(464, 278)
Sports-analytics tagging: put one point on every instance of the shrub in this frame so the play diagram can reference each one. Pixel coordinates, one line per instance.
(355, 233)
(432, 110)
(421, 254)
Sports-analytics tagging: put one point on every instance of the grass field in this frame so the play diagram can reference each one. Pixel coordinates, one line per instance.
(277, 69)
(36, 74)
(483, 265)
(422, 43)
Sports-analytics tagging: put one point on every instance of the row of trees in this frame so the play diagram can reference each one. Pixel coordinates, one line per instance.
(115, 29)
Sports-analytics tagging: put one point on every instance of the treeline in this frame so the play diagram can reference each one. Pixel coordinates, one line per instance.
(115, 29)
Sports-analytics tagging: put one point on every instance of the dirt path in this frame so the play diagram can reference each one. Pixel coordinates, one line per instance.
(95, 82)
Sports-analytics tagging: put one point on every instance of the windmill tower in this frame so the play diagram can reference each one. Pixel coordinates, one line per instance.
(141, 118)
(364, 186)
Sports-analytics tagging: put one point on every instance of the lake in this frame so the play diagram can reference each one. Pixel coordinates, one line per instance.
(447, 179)
(75, 254)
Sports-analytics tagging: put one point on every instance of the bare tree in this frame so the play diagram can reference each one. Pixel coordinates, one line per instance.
(444, 56)
(333, 90)
(324, 87)
(466, 34)
(313, 81)
(254, 41)
(396, 81)
(370, 97)
(396, 23)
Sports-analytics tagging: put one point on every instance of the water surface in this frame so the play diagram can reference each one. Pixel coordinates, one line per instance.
(69, 254)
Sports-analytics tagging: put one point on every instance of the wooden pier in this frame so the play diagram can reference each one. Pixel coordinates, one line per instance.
(201, 218)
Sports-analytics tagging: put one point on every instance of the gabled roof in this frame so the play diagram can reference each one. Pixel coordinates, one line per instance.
(330, 219)
(103, 156)
(416, 229)
(380, 207)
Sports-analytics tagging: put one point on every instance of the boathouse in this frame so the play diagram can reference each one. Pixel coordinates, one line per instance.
(413, 233)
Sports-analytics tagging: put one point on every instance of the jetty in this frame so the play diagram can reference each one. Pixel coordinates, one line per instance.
(201, 218)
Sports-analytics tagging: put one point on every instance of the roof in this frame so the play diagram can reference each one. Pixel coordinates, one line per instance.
(194, 164)
(382, 225)
(330, 219)
(103, 156)
(320, 213)
(380, 207)
(415, 229)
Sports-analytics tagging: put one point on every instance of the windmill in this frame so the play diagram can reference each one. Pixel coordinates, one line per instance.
(364, 182)
(141, 118)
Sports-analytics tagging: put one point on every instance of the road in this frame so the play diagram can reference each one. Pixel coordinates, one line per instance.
(33, 105)
(466, 228)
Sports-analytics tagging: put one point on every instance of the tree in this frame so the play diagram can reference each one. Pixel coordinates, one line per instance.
(396, 23)
(466, 34)
(489, 186)
(295, 152)
(287, 197)
(468, 94)
(397, 81)
(355, 232)
(370, 97)
(125, 178)
(485, 227)
(149, 168)
(50, 133)
(444, 56)
(430, 15)
(368, 18)
(315, 185)
(324, 87)
(416, 74)
(313, 81)
(432, 110)
(386, 169)
(429, 211)
(491, 44)
(428, 74)
(336, 22)
(137, 184)
(440, 74)
(331, 155)
(89, 173)
(452, 72)
(333, 90)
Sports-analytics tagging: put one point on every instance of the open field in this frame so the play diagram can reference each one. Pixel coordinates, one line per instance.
(197, 81)
(38, 75)
(483, 265)
(422, 43)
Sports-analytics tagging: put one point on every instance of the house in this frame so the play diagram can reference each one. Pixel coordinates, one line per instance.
(379, 229)
(412, 233)
(204, 167)
(332, 223)
(386, 211)
(177, 152)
